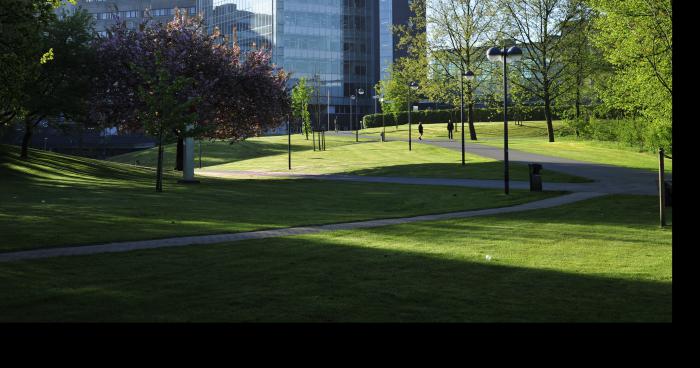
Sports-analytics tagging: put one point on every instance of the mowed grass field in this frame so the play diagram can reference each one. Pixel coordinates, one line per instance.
(217, 152)
(344, 156)
(531, 136)
(602, 260)
(55, 200)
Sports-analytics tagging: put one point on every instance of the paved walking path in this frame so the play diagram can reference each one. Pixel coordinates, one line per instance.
(472, 183)
(607, 178)
(303, 230)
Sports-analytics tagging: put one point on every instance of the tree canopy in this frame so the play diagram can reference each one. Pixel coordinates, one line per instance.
(301, 95)
(239, 95)
(636, 36)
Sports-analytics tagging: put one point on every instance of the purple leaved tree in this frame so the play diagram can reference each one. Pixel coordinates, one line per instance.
(238, 96)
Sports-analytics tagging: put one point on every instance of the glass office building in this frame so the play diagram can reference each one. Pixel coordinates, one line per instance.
(334, 44)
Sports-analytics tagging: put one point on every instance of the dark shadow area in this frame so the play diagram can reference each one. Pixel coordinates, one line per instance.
(213, 153)
(41, 164)
(480, 170)
(314, 279)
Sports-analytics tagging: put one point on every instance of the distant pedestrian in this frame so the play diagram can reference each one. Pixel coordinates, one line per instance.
(420, 131)
(450, 128)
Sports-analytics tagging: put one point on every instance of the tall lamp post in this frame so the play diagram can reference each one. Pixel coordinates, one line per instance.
(359, 92)
(289, 142)
(352, 117)
(469, 76)
(496, 54)
(412, 87)
(381, 100)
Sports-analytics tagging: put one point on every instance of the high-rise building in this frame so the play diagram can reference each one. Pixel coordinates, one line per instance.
(340, 46)
(391, 13)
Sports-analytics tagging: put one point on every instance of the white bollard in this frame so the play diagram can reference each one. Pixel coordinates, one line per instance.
(188, 161)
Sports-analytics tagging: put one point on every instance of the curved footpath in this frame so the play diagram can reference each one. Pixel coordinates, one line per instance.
(302, 230)
(607, 180)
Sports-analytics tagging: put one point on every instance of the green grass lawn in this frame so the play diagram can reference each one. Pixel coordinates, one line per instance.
(602, 260)
(531, 136)
(221, 152)
(391, 159)
(55, 200)
(344, 156)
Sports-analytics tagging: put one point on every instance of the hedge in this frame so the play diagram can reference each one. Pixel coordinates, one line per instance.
(441, 116)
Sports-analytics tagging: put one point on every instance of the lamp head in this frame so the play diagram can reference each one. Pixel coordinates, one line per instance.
(494, 54)
(515, 53)
(469, 75)
(352, 97)
(413, 85)
(361, 91)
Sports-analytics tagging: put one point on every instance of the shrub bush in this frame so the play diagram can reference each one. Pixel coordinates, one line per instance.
(634, 132)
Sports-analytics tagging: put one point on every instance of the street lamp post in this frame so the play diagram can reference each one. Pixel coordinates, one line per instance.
(381, 100)
(496, 54)
(376, 98)
(359, 92)
(289, 143)
(352, 117)
(412, 87)
(469, 76)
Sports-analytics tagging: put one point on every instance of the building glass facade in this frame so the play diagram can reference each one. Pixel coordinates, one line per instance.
(334, 44)
(386, 39)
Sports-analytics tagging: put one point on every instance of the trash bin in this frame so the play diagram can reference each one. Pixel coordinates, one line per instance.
(382, 135)
(535, 177)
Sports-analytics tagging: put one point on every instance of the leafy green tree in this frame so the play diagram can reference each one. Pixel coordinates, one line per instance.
(59, 87)
(585, 60)
(413, 39)
(637, 38)
(301, 95)
(541, 26)
(22, 52)
(459, 29)
(395, 91)
(167, 107)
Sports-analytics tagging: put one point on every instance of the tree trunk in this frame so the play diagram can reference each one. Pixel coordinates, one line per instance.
(578, 96)
(548, 116)
(472, 130)
(159, 170)
(28, 129)
(179, 156)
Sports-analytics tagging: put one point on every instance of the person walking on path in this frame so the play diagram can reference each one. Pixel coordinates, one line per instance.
(420, 131)
(450, 127)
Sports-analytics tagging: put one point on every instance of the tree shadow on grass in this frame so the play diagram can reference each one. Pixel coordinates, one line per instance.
(65, 169)
(316, 279)
(481, 170)
(213, 153)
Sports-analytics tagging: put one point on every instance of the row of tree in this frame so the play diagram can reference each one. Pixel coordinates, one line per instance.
(167, 80)
(614, 55)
